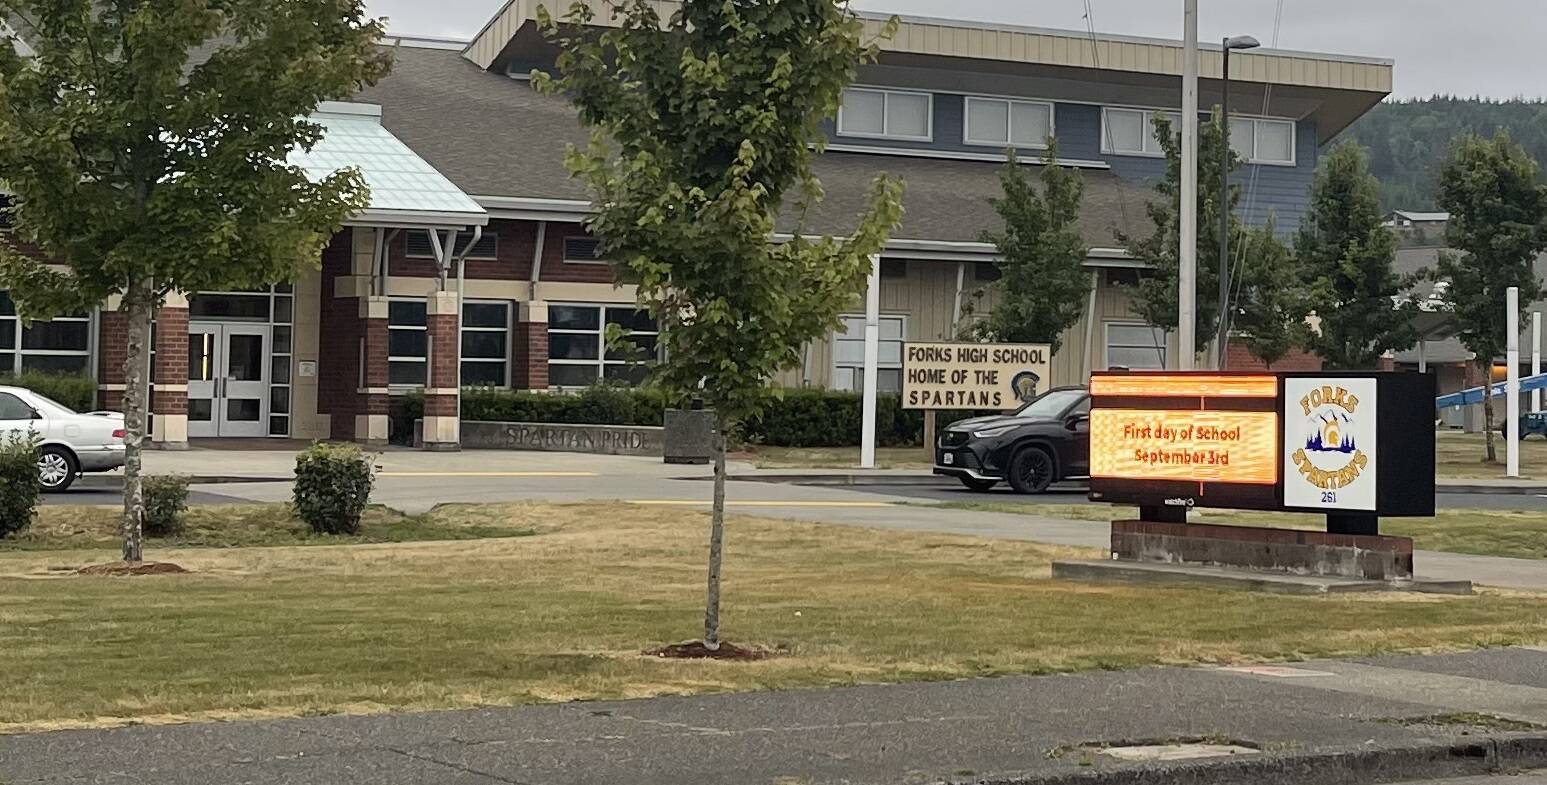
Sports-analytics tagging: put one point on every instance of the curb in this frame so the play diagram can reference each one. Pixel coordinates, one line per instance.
(1496, 490)
(1482, 756)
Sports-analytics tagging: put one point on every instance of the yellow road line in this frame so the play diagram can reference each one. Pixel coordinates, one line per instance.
(694, 503)
(488, 474)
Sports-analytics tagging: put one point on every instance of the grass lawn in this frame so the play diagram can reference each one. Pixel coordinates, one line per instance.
(564, 613)
(1518, 533)
(764, 457)
(247, 525)
(1459, 456)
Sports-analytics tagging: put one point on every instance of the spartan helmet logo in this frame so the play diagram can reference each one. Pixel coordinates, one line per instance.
(1024, 385)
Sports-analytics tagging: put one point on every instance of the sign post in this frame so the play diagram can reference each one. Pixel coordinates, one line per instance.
(1511, 382)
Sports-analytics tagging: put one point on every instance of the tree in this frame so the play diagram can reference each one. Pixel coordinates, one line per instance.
(1348, 261)
(1043, 283)
(1155, 296)
(702, 124)
(1498, 226)
(1267, 304)
(143, 170)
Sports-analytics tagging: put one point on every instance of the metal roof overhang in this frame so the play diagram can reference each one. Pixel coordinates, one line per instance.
(405, 190)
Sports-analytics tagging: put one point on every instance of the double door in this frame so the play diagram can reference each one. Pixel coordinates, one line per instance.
(228, 379)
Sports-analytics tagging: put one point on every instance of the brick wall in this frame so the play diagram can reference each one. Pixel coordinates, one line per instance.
(529, 356)
(112, 349)
(513, 254)
(338, 355)
(171, 365)
(1240, 359)
(556, 269)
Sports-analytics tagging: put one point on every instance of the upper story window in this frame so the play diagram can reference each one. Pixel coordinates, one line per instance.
(1262, 141)
(1002, 122)
(886, 114)
(1132, 131)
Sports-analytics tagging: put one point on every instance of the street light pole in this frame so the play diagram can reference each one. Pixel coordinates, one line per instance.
(1187, 254)
(1223, 340)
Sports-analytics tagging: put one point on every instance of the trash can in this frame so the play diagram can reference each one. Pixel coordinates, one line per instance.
(689, 436)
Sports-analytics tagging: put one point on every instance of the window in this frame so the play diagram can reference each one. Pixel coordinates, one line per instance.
(59, 346)
(886, 114)
(1132, 131)
(417, 245)
(408, 343)
(1002, 122)
(13, 408)
(849, 354)
(1136, 347)
(578, 354)
(485, 344)
(583, 250)
(1262, 141)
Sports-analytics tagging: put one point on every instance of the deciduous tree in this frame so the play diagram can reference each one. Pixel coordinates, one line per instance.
(145, 144)
(704, 125)
(1498, 226)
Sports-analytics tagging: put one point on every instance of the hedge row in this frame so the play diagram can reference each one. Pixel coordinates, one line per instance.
(800, 418)
(77, 391)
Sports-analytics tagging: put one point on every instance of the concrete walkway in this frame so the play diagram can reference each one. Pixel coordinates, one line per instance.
(1323, 721)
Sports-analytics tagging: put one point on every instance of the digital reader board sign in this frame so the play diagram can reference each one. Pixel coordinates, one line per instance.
(1327, 442)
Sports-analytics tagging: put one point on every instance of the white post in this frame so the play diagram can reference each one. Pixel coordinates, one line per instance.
(1512, 382)
(1188, 276)
(867, 441)
(1536, 358)
(1423, 354)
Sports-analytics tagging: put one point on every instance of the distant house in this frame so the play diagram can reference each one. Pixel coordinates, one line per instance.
(1407, 219)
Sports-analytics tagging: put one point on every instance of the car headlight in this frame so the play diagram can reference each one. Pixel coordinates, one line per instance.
(989, 433)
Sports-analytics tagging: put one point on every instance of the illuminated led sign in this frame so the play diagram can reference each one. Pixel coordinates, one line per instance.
(1294, 441)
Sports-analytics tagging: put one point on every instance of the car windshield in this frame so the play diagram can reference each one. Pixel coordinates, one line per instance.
(1050, 404)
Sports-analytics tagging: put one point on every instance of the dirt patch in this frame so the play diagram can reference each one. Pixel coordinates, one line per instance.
(117, 568)
(696, 650)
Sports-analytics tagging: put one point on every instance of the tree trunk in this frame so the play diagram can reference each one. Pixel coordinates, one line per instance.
(716, 541)
(138, 305)
(1492, 457)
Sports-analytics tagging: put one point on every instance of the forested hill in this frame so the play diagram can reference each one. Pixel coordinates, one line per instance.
(1408, 139)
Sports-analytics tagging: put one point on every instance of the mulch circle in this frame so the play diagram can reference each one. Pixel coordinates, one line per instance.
(696, 650)
(125, 568)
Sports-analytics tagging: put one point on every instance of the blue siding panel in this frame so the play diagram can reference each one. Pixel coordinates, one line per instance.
(1280, 191)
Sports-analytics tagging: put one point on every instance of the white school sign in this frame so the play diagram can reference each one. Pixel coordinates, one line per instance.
(983, 376)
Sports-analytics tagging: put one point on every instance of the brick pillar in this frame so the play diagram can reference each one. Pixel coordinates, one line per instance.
(112, 347)
(372, 399)
(442, 428)
(529, 370)
(169, 377)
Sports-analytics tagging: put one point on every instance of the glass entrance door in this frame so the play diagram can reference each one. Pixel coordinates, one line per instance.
(228, 379)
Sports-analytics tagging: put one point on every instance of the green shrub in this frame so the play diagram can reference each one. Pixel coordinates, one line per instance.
(812, 417)
(166, 499)
(77, 391)
(20, 488)
(332, 486)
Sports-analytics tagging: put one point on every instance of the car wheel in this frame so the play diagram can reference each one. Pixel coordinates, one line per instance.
(56, 468)
(978, 486)
(1032, 470)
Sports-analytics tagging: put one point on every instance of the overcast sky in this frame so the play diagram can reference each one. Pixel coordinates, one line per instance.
(1471, 47)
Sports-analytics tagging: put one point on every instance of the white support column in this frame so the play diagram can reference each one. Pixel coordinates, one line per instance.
(1186, 330)
(867, 442)
(1512, 382)
(1536, 358)
(1423, 354)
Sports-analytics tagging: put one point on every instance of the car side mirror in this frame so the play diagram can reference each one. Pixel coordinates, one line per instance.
(1074, 420)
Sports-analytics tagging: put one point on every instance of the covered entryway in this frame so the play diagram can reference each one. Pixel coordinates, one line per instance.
(228, 379)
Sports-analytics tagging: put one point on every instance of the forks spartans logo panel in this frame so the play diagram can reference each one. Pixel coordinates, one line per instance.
(1329, 443)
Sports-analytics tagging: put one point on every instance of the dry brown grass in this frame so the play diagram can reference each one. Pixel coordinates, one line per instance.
(565, 614)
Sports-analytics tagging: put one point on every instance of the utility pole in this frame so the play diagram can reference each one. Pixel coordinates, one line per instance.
(1235, 42)
(1187, 316)
(1511, 382)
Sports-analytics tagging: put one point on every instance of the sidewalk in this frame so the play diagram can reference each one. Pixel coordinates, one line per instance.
(1327, 722)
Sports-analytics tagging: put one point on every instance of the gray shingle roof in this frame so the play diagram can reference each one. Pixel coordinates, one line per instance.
(494, 136)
